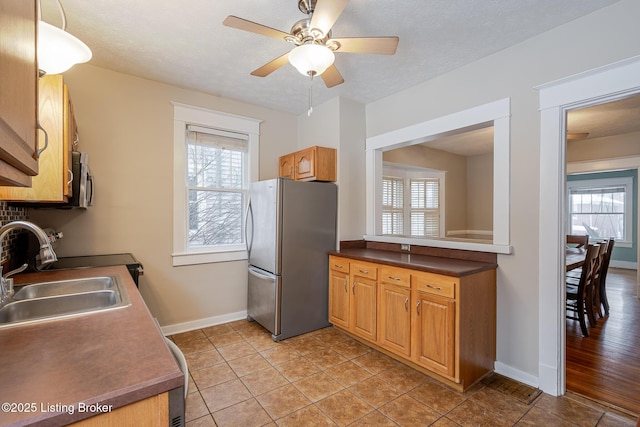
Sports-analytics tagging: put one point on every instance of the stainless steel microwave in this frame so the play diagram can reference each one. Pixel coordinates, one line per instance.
(82, 185)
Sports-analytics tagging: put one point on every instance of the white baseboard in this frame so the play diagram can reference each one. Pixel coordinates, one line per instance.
(629, 265)
(203, 323)
(516, 374)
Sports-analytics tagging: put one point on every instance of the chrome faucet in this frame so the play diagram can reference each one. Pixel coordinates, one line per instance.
(47, 255)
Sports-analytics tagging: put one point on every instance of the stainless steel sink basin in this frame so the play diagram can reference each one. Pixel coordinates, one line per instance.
(40, 302)
(65, 287)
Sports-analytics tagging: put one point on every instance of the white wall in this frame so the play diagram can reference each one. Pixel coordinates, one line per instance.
(597, 39)
(340, 123)
(126, 126)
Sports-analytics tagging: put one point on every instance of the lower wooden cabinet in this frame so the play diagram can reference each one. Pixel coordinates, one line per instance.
(151, 412)
(339, 290)
(442, 325)
(394, 313)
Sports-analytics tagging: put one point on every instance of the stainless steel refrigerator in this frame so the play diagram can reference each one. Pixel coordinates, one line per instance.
(290, 227)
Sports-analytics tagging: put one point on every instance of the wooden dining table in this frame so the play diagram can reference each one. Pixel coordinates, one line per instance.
(574, 257)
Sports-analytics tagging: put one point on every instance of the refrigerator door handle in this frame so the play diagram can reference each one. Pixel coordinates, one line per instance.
(256, 273)
(248, 243)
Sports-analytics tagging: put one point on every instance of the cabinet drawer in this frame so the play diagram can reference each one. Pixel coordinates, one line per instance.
(339, 264)
(396, 276)
(435, 284)
(364, 270)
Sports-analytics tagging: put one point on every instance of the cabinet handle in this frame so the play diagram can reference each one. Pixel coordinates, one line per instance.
(418, 307)
(437, 288)
(393, 278)
(337, 266)
(353, 288)
(406, 304)
(70, 177)
(364, 272)
(75, 142)
(46, 140)
(345, 287)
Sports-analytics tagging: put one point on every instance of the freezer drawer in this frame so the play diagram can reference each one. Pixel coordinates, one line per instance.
(263, 303)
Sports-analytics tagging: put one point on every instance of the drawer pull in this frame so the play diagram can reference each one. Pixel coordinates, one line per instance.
(338, 266)
(394, 278)
(364, 271)
(437, 288)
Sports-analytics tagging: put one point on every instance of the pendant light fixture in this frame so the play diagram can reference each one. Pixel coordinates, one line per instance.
(57, 49)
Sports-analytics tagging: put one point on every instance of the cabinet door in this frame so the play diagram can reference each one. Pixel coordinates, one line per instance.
(305, 163)
(286, 167)
(49, 184)
(394, 317)
(339, 313)
(70, 143)
(19, 88)
(434, 333)
(363, 307)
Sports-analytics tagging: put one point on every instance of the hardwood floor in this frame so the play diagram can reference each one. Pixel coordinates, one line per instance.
(605, 366)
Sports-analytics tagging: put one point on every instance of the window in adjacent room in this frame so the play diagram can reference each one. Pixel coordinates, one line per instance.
(216, 156)
(601, 208)
(411, 201)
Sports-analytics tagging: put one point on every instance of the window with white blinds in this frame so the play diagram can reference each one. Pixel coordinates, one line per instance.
(601, 208)
(411, 202)
(392, 205)
(216, 156)
(425, 207)
(217, 186)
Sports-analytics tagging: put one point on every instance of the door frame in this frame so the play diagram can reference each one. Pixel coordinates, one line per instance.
(603, 84)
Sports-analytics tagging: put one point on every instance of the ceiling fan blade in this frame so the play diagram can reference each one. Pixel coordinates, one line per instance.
(326, 13)
(252, 27)
(270, 67)
(332, 77)
(375, 45)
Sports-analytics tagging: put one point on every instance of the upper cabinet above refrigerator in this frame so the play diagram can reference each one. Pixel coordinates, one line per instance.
(311, 164)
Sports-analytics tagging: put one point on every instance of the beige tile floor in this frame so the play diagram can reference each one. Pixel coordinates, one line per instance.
(240, 377)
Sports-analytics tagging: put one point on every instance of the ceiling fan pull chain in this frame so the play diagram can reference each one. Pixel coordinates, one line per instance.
(310, 110)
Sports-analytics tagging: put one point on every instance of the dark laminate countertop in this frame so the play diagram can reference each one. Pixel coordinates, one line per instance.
(113, 357)
(432, 264)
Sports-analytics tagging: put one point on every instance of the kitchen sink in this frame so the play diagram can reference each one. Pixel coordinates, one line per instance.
(65, 287)
(44, 301)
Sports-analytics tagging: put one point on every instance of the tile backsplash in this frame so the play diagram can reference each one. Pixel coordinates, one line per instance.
(8, 214)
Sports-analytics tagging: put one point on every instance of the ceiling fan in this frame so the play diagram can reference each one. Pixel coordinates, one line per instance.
(313, 54)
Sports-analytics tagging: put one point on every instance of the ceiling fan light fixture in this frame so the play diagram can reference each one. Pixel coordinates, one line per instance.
(311, 59)
(57, 49)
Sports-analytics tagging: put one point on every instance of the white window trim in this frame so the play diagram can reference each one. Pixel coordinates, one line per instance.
(184, 115)
(498, 112)
(627, 182)
(413, 172)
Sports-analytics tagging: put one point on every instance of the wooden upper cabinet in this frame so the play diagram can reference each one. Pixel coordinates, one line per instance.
(311, 164)
(286, 168)
(19, 89)
(53, 183)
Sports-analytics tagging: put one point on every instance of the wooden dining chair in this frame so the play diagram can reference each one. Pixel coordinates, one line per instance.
(604, 302)
(579, 295)
(577, 241)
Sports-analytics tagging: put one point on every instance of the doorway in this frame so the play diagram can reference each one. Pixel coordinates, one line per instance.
(615, 81)
(601, 366)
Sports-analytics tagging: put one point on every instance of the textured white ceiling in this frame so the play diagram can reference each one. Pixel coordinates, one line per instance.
(184, 43)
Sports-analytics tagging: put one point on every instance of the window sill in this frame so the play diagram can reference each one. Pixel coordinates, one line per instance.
(181, 259)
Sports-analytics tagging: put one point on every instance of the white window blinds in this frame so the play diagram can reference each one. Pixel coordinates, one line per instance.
(217, 186)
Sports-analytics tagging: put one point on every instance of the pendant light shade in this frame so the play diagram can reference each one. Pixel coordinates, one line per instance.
(311, 59)
(58, 50)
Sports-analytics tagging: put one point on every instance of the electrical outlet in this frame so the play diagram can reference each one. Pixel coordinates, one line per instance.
(405, 247)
